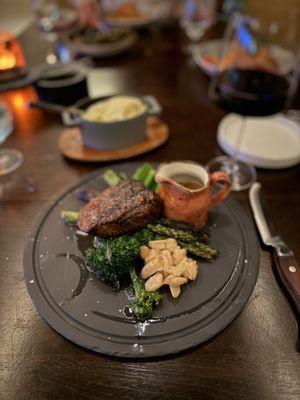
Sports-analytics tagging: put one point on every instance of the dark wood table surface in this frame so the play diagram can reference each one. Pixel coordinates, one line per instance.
(253, 358)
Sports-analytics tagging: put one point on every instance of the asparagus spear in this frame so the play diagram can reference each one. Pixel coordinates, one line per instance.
(184, 226)
(178, 234)
(186, 240)
(145, 173)
(110, 177)
(148, 180)
(199, 250)
(141, 172)
(69, 217)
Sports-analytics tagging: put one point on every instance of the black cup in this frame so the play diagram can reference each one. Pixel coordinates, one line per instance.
(62, 85)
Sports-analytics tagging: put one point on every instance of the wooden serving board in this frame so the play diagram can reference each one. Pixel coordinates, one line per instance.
(71, 146)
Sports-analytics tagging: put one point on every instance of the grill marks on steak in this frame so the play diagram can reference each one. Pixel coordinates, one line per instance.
(119, 209)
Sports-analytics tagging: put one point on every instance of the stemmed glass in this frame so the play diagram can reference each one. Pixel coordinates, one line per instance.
(10, 159)
(47, 13)
(52, 20)
(256, 77)
(196, 17)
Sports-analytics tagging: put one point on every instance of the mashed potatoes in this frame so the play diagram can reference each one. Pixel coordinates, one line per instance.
(118, 108)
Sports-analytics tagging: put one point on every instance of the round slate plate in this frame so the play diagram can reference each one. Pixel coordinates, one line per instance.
(86, 310)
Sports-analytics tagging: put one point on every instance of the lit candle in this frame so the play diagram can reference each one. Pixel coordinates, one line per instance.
(11, 55)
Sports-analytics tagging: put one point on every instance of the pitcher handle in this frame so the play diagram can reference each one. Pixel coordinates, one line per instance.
(221, 177)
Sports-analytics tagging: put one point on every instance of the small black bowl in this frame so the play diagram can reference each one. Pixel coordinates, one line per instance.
(61, 85)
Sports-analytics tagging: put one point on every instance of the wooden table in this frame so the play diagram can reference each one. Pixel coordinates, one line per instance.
(254, 358)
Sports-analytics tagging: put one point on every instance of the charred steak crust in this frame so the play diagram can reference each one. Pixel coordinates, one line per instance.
(120, 209)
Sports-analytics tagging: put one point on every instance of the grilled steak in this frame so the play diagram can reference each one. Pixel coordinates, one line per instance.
(119, 209)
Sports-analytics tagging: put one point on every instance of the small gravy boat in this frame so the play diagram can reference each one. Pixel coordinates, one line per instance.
(187, 191)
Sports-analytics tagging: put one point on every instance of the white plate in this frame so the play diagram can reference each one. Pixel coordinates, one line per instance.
(105, 49)
(283, 57)
(268, 142)
(150, 12)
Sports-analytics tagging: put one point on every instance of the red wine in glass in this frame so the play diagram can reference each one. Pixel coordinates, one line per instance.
(251, 92)
(247, 92)
(252, 81)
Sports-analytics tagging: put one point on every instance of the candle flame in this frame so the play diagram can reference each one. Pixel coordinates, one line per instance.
(11, 54)
(7, 60)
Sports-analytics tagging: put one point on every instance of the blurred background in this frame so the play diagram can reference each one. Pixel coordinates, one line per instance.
(16, 15)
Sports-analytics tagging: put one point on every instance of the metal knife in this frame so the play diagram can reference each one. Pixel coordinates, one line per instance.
(286, 264)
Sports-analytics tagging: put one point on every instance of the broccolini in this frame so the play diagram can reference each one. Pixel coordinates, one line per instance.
(144, 301)
(114, 257)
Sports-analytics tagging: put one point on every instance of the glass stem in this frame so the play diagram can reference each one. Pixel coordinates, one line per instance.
(239, 141)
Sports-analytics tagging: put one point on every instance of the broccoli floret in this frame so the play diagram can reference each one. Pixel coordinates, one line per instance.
(144, 301)
(98, 263)
(114, 257)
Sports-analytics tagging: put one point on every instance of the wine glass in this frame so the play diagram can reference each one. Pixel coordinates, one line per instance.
(10, 159)
(256, 77)
(52, 20)
(196, 17)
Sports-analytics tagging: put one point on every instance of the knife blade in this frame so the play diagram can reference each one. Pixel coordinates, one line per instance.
(286, 264)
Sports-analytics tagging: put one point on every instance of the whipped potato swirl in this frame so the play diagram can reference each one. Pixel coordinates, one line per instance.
(118, 108)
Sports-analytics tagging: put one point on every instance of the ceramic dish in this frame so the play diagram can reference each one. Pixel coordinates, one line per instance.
(268, 142)
(103, 50)
(71, 146)
(283, 57)
(113, 134)
(53, 83)
(150, 12)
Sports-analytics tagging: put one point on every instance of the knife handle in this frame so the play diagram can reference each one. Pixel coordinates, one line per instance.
(289, 273)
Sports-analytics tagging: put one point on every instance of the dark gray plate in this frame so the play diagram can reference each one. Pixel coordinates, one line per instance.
(86, 311)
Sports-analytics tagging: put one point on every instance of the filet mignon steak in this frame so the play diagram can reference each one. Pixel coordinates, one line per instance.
(120, 209)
